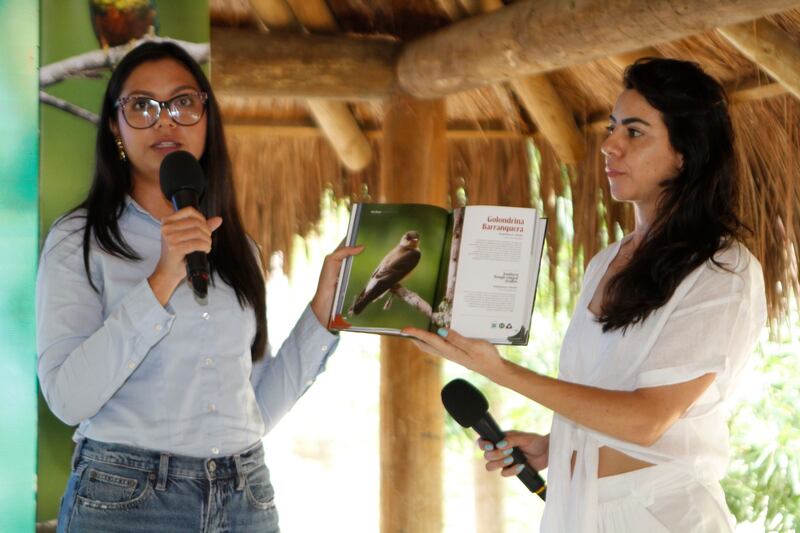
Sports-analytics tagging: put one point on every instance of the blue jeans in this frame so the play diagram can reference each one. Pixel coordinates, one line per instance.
(117, 488)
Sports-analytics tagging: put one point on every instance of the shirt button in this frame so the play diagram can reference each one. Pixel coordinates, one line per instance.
(324, 347)
(215, 451)
(208, 361)
(212, 408)
(158, 327)
(206, 316)
(131, 365)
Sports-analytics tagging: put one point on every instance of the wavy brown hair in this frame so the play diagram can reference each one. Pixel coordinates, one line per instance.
(696, 211)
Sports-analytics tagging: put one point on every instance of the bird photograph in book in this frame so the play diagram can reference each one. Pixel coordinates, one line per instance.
(474, 269)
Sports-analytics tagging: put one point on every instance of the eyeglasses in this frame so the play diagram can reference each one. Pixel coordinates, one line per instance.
(141, 112)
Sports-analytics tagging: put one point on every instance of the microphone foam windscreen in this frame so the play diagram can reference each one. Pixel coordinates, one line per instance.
(180, 170)
(464, 402)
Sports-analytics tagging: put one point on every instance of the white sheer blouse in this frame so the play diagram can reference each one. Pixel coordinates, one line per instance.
(711, 324)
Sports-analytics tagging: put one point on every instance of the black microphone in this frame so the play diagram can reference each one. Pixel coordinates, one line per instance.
(183, 182)
(469, 408)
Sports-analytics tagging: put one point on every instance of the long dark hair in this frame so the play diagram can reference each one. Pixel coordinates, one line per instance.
(232, 256)
(696, 212)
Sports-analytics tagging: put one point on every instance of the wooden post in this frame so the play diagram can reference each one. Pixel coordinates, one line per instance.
(413, 169)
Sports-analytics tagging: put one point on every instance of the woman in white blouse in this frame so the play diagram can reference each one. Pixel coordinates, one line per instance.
(664, 324)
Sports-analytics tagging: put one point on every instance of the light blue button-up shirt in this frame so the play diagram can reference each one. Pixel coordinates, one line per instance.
(177, 379)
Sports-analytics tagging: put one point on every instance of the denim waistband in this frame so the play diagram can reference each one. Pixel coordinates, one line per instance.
(237, 465)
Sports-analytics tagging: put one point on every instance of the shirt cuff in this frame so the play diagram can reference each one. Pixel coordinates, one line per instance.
(146, 314)
(314, 334)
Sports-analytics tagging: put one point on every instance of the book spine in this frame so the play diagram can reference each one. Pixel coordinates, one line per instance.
(344, 272)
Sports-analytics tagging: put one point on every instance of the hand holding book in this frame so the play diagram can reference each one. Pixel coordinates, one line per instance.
(475, 270)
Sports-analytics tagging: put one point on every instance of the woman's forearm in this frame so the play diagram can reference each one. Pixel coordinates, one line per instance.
(639, 416)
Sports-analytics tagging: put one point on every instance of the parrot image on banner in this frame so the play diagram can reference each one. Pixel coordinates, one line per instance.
(117, 22)
(392, 269)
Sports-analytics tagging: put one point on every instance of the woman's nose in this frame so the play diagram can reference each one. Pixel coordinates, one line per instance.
(610, 146)
(164, 119)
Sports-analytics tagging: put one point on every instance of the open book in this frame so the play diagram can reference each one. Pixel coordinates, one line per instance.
(474, 270)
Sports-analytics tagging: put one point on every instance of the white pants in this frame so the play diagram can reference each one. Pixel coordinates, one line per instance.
(661, 499)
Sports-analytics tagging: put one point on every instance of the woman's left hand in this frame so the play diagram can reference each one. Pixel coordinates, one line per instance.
(476, 355)
(322, 302)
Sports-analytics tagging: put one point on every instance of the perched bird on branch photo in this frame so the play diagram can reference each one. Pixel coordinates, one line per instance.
(392, 269)
(118, 22)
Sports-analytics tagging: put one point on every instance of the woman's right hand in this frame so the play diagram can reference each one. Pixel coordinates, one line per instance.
(533, 445)
(182, 232)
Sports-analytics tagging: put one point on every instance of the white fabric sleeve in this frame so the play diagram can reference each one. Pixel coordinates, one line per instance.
(713, 329)
(84, 360)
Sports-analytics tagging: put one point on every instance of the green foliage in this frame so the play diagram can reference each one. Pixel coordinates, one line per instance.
(763, 482)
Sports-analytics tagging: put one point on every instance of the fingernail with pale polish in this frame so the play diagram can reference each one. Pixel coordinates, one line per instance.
(442, 332)
(488, 447)
(502, 444)
(519, 468)
(508, 460)
(508, 451)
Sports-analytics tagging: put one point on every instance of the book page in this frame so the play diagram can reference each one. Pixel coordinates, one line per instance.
(496, 277)
(392, 283)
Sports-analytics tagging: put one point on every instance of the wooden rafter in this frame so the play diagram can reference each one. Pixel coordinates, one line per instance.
(770, 48)
(314, 15)
(535, 36)
(552, 116)
(250, 63)
(626, 58)
(333, 118)
(744, 92)
(276, 16)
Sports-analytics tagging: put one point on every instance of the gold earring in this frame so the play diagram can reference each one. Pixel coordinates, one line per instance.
(121, 149)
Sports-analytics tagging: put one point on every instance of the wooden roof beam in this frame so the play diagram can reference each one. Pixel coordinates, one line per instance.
(314, 15)
(293, 65)
(538, 96)
(275, 16)
(626, 58)
(536, 36)
(770, 48)
(552, 116)
(749, 91)
(333, 118)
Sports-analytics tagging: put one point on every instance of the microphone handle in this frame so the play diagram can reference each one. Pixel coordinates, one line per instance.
(488, 429)
(196, 262)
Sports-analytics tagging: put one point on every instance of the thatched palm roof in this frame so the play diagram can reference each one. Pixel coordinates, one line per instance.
(285, 162)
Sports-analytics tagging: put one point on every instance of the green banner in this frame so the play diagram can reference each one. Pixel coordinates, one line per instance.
(19, 234)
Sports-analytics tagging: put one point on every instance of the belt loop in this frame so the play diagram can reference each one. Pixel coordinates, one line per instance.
(237, 459)
(76, 453)
(163, 470)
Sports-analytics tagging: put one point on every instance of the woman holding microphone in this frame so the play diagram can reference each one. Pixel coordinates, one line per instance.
(171, 394)
(663, 326)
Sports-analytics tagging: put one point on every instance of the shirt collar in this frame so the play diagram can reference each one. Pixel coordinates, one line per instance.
(134, 207)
